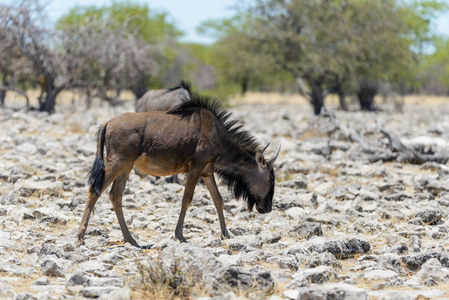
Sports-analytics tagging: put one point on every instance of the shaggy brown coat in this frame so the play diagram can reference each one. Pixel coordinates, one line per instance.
(194, 138)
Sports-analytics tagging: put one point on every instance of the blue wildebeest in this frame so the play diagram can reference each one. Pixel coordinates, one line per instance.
(165, 99)
(196, 138)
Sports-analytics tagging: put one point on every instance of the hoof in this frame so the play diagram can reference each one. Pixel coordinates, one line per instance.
(182, 239)
(146, 247)
(225, 235)
(133, 243)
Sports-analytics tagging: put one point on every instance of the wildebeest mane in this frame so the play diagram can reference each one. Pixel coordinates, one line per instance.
(234, 181)
(237, 186)
(182, 85)
(198, 102)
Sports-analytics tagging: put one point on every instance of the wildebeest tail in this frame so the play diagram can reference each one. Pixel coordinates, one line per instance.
(96, 174)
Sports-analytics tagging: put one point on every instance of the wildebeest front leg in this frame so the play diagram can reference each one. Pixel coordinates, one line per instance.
(218, 201)
(115, 196)
(192, 178)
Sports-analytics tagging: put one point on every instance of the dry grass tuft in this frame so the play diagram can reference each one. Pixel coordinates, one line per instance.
(175, 279)
(285, 176)
(159, 280)
(268, 98)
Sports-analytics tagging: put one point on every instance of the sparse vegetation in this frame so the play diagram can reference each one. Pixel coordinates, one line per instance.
(173, 279)
(341, 191)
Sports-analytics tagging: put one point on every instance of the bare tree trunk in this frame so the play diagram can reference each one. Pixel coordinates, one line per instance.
(342, 99)
(316, 94)
(4, 89)
(3, 92)
(317, 100)
(2, 97)
(141, 87)
(302, 86)
(88, 98)
(366, 94)
(116, 100)
(51, 92)
(245, 84)
(339, 89)
(50, 101)
(139, 91)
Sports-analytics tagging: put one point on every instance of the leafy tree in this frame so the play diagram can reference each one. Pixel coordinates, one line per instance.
(232, 59)
(436, 69)
(309, 39)
(238, 61)
(399, 32)
(382, 49)
(336, 46)
(417, 15)
(143, 23)
(197, 66)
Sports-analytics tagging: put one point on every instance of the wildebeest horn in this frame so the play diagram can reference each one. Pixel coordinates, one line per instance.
(272, 159)
(265, 148)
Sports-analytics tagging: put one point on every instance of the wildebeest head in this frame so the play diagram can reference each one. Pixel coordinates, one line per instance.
(256, 184)
(243, 166)
(261, 183)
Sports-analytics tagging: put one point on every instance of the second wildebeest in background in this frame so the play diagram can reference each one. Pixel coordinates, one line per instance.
(196, 138)
(163, 100)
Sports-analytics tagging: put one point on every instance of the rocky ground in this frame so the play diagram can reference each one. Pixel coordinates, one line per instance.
(342, 227)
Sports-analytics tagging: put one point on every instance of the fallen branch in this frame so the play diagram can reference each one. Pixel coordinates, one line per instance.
(349, 134)
(396, 151)
(407, 155)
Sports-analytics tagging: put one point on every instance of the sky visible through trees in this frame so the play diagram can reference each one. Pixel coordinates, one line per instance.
(188, 14)
(350, 48)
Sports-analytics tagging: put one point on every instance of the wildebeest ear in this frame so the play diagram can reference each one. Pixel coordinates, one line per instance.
(265, 148)
(260, 160)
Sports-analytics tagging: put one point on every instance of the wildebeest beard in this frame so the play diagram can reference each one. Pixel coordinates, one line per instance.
(238, 187)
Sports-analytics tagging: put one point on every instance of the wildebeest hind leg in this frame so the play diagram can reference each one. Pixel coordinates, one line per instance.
(192, 178)
(115, 196)
(218, 201)
(92, 198)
